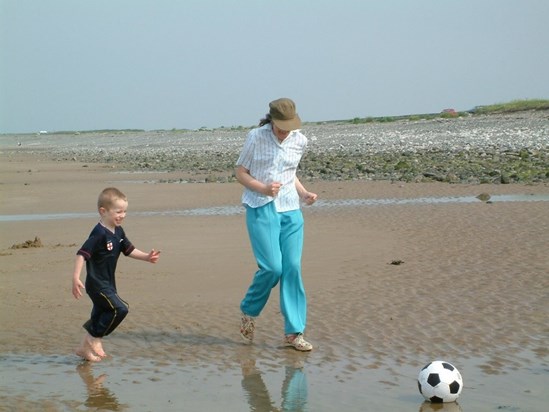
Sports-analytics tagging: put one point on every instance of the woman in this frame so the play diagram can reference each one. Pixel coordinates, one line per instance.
(267, 169)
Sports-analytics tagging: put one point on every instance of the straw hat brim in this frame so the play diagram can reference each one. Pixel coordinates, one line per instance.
(289, 124)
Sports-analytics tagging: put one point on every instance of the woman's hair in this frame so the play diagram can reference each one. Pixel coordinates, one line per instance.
(265, 120)
(108, 196)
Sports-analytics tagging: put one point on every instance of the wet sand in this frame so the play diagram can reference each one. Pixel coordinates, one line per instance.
(471, 288)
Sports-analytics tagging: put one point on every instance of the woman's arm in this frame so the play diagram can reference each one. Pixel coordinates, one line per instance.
(308, 197)
(245, 179)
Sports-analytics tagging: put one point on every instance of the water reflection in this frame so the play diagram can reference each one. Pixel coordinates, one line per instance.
(294, 388)
(99, 397)
(440, 407)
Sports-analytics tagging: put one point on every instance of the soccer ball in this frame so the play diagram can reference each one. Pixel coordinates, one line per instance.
(439, 382)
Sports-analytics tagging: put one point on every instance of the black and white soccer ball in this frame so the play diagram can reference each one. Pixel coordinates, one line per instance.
(439, 382)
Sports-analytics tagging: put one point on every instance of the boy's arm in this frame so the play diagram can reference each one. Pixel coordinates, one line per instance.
(77, 285)
(151, 257)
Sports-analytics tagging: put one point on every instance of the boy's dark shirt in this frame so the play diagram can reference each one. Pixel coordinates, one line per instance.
(101, 252)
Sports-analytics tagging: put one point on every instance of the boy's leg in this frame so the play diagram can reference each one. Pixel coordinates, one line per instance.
(293, 301)
(263, 229)
(108, 311)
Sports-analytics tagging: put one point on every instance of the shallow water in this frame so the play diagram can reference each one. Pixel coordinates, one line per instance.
(321, 204)
(195, 372)
(247, 380)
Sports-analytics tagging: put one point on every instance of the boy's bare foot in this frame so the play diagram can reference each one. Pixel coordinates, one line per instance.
(87, 354)
(86, 350)
(97, 347)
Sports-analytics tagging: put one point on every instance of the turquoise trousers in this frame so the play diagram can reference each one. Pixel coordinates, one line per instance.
(277, 244)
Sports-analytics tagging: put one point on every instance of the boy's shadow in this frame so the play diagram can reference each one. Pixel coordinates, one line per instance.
(294, 387)
(99, 397)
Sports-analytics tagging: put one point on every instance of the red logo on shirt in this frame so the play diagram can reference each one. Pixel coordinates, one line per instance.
(109, 245)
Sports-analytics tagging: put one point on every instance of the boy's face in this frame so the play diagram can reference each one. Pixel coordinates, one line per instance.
(115, 214)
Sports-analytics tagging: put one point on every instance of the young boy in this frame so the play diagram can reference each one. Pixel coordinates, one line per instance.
(100, 252)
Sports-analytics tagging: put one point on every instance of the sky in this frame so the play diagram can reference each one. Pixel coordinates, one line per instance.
(185, 64)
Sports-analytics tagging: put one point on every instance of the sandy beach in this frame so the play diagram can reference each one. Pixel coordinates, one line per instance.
(397, 274)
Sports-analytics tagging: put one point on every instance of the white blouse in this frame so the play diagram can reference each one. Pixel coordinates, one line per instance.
(270, 161)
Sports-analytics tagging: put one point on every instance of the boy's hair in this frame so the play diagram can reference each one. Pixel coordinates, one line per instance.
(108, 196)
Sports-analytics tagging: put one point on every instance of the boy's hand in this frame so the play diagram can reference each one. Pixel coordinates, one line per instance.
(153, 256)
(77, 287)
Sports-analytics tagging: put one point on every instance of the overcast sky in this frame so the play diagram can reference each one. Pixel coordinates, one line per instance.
(163, 64)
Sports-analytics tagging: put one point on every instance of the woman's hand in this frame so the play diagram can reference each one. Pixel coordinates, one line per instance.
(272, 189)
(309, 198)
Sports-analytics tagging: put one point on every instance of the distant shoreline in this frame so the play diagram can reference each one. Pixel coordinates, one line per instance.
(474, 149)
(449, 113)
